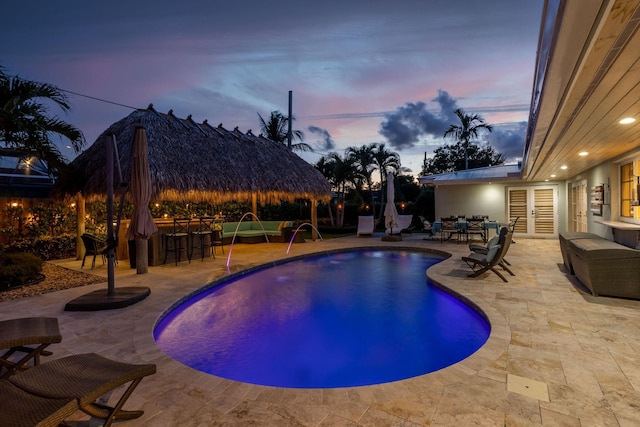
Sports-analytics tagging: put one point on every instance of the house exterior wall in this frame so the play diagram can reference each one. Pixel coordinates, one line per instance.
(607, 174)
(471, 199)
(491, 199)
(599, 175)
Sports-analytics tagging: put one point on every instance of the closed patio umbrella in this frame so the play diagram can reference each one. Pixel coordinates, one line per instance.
(141, 226)
(390, 211)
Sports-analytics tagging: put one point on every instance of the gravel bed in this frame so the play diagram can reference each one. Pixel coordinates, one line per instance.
(56, 278)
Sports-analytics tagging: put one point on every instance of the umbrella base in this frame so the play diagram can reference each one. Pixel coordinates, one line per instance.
(100, 300)
(391, 238)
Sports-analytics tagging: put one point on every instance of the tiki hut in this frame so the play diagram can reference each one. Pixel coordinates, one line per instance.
(197, 162)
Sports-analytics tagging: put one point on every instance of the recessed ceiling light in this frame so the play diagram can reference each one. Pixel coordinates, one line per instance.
(563, 167)
(553, 175)
(583, 153)
(627, 120)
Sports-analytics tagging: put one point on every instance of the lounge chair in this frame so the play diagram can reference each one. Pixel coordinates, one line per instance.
(27, 337)
(481, 263)
(48, 393)
(21, 409)
(366, 225)
(404, 224)
(481, 249)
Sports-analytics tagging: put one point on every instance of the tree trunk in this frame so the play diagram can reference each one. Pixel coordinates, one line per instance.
(373, 202)
(382, 192)
(80, 225)
(333, 223)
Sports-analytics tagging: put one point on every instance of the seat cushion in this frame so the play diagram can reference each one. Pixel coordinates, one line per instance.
(572, 235)
(492, 252)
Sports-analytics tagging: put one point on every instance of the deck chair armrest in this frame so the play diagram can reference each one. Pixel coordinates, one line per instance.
(478, 249)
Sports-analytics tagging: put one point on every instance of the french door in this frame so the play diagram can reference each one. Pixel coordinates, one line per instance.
(579, 206)
(536, 208)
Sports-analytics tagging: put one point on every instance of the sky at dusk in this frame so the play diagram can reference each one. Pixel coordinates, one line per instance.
(361, 71)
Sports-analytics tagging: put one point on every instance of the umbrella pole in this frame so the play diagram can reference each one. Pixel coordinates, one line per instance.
(110, 253)
(125, 296)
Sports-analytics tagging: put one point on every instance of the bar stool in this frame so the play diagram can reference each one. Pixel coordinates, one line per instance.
(216, 237)
(204, 237)
(180, 233)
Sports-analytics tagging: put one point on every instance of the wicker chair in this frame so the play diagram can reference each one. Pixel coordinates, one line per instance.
(29, 336)
(52, 391)
(93, 246)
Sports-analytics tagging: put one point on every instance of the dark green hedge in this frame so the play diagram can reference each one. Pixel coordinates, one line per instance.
(17, 269)
(46, 248)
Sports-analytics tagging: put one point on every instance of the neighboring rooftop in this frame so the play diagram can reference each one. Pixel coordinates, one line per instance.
(478, 175)
(23, 176)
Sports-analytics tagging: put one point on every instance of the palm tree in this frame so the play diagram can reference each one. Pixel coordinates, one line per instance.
(470, 126)
(25, 123)
(339, 171)
(276, 129)
(365, 165)
(385, 160)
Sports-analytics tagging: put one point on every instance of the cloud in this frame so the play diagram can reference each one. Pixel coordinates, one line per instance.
(404, 127)
(325, 142)
(508, 139)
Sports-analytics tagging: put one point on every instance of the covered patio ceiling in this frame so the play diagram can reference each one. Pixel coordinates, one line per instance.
(586, 82)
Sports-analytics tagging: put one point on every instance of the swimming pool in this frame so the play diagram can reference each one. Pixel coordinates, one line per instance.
(351, 318)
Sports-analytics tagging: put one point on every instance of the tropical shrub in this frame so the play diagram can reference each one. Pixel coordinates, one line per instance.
(17, 269)
(46, 247)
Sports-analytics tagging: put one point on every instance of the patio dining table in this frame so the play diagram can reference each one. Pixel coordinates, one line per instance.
(436, 227)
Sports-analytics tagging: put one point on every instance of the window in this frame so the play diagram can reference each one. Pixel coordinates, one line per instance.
(628, 192)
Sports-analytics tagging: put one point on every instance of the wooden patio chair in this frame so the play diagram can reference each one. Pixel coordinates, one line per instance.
(173, 242)
(481, 263)
(512, 227)
(26, 338)
(450, 226)
(202, 238)
(50, 392)
(475, 225)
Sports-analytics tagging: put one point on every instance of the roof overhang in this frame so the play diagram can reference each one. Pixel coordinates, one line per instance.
(587, 80)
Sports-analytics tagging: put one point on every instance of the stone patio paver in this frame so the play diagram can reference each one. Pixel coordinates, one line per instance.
(545, 328)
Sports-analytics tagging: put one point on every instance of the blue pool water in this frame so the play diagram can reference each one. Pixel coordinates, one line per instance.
(338, 320)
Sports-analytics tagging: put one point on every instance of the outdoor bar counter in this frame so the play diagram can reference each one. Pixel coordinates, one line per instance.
(156, 250)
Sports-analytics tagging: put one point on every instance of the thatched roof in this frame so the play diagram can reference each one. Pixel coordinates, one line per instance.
(192, 161)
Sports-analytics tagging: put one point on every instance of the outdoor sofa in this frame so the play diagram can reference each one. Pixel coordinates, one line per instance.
(253, 232)
(565, 237)
(606, 268)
